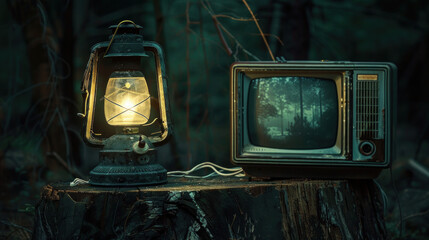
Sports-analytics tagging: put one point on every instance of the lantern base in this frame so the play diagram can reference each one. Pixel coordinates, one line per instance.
(124, 166)
(151, 174)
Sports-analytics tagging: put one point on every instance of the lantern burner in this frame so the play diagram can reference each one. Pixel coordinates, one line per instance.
(123, 162)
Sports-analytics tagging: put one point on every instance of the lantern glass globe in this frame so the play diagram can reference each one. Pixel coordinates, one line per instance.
(127, 99)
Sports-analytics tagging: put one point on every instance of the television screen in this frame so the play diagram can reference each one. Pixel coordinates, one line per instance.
(293, 112)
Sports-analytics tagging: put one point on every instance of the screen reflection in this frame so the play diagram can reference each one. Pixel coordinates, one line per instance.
(293, 112)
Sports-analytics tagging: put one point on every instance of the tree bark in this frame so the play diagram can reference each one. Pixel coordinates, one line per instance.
(50, 54)
(41, 50)
(290, 23)
(218, 208)
(159, 20)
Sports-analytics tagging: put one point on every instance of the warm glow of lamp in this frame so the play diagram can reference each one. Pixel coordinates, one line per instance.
(132, 125)
(127, 99)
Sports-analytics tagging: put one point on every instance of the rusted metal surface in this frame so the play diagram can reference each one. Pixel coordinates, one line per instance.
(219, 208)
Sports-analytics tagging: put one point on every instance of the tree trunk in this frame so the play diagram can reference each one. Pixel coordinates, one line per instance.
(290, 23)
(217, 208)
(159, 20)
(42, 52)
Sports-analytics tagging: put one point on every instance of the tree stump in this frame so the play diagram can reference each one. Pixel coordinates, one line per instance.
(217, 208)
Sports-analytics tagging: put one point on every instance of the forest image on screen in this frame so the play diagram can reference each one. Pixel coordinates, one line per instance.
(293, 112)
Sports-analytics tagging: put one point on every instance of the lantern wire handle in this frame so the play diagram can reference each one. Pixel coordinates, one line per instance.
(111, 40)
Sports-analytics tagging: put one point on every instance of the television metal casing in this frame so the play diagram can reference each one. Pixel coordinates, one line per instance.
(345, 159)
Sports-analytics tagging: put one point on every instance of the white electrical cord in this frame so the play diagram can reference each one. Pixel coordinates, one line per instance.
(78, 181)
(217, 170)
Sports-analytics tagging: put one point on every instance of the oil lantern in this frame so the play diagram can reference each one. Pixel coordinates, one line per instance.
(125, 108)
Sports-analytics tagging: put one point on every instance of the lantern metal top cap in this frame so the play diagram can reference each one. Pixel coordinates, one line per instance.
(126, 41)
(126, 27)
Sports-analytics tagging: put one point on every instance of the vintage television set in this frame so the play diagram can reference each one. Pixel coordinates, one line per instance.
(311, 119)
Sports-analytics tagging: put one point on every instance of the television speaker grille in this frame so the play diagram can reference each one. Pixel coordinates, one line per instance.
(367, 109)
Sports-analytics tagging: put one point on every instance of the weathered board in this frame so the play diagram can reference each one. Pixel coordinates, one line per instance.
(217, 208)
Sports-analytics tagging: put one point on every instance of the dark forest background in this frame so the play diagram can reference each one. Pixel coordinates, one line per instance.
(45, 45)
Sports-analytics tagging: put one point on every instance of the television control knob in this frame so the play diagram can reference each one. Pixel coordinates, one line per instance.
(367, 148)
